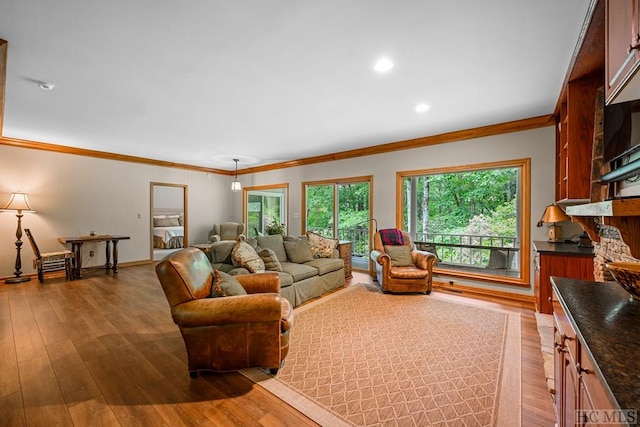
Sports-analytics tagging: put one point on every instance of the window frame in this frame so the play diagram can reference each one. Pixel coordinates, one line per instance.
(524, 209)
(283, 189)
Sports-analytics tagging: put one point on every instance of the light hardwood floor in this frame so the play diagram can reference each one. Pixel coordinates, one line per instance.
(103, 350)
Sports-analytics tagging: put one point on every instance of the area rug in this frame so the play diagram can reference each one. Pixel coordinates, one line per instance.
(363, 358)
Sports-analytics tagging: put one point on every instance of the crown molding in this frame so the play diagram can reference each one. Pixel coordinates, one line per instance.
(473, 133)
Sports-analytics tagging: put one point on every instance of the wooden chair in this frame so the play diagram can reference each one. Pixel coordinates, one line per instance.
(50, 261)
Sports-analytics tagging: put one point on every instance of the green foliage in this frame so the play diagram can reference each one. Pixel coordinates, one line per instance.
(274, 227)
(473, 202)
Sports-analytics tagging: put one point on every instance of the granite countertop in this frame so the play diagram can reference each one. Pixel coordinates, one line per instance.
(562, 248)
(608, 322)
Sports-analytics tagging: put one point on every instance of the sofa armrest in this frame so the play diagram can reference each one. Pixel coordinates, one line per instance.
(228, 310)
(423, 260)
(259, 282)
(380, 258)
(214, 238)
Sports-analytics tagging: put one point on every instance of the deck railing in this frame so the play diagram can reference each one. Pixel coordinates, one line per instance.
(455, 249)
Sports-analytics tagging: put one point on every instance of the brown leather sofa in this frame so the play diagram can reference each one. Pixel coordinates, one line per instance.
(225, 333)
(417, 277)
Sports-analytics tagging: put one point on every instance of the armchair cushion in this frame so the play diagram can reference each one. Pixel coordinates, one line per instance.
(400, 255)
(225, 285)
(245, 255)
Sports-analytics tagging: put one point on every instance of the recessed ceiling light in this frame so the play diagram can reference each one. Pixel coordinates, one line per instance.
(46, 86)
(383, 65)
(422, 108)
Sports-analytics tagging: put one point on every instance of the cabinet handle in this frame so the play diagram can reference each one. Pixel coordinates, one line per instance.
(581, 370)
(564, 338)
(631, 50)
(560, 348)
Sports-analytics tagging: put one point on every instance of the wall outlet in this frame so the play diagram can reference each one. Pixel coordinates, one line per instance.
(451, 282)
(92, 253)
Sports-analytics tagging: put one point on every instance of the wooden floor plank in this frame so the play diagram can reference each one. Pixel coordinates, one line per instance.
(104, 350)
(44, 404)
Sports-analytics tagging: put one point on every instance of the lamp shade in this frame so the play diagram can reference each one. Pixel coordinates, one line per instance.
(553, 214)
(18, 202)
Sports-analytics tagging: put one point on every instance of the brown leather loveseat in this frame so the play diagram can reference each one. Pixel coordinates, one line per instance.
(230, 332)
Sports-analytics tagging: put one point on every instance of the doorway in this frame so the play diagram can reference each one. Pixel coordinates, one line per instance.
(168, 219)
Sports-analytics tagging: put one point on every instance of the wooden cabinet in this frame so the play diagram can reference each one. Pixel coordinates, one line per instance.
(344, 248)
(622, 56)
(558, 259)
(581, 396)
(574, 138)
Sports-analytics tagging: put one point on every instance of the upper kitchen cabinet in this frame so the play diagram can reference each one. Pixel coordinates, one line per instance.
(622, 82)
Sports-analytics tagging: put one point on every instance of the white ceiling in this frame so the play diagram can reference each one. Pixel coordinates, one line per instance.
(205, 81)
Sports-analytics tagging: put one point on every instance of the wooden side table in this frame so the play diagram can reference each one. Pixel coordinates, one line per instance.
(344, 248)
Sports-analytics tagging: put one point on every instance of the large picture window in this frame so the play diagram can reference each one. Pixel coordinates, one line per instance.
(474, 217)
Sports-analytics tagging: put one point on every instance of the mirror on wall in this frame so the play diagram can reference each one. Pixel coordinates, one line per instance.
(169, 219)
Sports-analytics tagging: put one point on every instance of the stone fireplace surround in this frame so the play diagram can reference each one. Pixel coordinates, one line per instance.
(611, 248)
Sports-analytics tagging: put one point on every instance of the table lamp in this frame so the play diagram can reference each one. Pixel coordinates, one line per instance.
(552, 215)
(18, 202)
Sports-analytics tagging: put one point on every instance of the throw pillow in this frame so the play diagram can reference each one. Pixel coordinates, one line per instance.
(245, 256)
(270, 260)
(400, 255)
(225, 285)
(165, 222)
(321, 247)
(273, 242)
(298, 251)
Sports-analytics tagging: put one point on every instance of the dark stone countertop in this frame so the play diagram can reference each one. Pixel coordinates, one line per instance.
(562, 248)
(608, 322)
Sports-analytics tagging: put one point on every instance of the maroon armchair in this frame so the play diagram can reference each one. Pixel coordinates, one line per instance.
(225, 333)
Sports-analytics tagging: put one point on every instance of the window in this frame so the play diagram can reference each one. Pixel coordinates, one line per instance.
(475, 217)
(263, 207)
(341, 209)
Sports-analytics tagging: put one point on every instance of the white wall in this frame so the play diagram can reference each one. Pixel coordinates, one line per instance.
(537, 144)
(74, 195)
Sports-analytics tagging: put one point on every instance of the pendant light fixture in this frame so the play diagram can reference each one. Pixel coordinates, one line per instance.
(235, 184)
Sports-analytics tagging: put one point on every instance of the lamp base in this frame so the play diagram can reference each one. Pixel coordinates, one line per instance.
(19, 279)
(554, 233)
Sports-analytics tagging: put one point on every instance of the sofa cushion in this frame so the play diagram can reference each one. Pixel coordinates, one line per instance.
(321, 247)
(285, 279)
(298, 251)
(275, 243)
(246, 256)
(225, 285)
(326, 265)
(221, 251)
(400, 255)
(270, 260)
(299, 271)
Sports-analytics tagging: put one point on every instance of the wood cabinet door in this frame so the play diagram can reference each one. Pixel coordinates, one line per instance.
(622, 32)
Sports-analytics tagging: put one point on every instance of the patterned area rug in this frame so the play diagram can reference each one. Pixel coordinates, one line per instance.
(360, 357)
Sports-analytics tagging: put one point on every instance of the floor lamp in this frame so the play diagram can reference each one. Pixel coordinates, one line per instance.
(18, 202)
